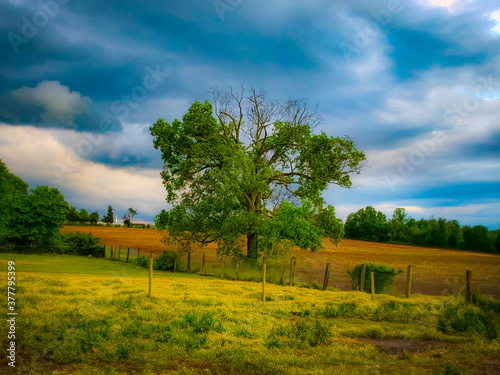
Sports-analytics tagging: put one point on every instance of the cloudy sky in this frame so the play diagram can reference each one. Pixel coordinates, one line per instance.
(416, 84)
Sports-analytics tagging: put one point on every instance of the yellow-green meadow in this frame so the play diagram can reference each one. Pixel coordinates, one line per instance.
(78, 315)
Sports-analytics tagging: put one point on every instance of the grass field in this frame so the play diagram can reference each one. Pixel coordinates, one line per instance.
(435, 271)
(80, 315)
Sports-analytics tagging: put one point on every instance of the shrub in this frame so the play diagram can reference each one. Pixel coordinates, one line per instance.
(142, 261)
(384, 276)
(165, 262)
(82, 244)
(467, 319)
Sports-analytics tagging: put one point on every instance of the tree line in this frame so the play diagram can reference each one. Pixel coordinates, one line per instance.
(371, 225)
(33, 217)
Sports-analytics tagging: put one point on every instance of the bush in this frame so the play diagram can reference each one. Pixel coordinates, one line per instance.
(82, 244)
(384, 276)
(468, 319)
(165, 262)
(142, 261)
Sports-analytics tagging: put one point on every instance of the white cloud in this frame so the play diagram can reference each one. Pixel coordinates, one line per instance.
(58, 102)
(83, 182)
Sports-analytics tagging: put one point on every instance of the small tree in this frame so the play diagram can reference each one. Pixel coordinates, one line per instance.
(72, 215)
(108, 219)
(84, 216)
(94, 218)
(131, 214)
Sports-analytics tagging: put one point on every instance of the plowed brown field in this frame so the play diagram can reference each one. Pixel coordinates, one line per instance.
(435, 271)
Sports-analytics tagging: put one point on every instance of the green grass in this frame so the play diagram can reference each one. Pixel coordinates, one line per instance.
(82, 315)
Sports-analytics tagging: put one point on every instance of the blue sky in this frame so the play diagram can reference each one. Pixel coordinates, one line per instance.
(416, 85)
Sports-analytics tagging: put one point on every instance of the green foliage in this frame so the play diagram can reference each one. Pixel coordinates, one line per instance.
(35, 220)
(109, 217)
(12, 189)
(122, 352)
(142, 261)
(165, 262)
(468, 319)
(203, 324)
(366, 224)
(82, 244)
(384, 276)
(226, 183)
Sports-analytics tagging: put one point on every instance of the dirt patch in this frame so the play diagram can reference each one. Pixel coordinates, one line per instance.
(396, 347)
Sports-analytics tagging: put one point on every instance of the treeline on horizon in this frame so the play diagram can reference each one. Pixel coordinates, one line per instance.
(369, 224)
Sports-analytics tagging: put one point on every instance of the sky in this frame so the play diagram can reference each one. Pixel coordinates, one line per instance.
(415, 84)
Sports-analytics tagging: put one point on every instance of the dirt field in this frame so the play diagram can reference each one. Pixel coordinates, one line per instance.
(435, 271)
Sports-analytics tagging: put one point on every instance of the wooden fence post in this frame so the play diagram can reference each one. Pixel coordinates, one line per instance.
(408, 281)
(150, 273)
(223, 265)
(138, 253)
(104, 251)
(203, 264)
(189, 263)
(327, 275)
(112, 253)
(128, 253)
(468, 282)
(363, 277)
(119, 252)
(175, 264)
(264, 276)
(292, 271)
(236, 276)
(372, 275)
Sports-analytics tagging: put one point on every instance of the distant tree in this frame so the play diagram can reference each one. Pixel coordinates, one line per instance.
(476, 238)
(454, 233)
(398, 225)
(73, 216)
(128, 217)
(497, 243)
(94, 218)
(36, 219)
(366, 224)
(109, 217)
(84, 216)
(126, 220)
(132, 213)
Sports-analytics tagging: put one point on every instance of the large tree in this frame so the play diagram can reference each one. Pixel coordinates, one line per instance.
(235, 168)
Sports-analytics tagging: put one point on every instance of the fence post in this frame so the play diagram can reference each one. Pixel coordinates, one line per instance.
(408, 282)
(468, 281)
(119, 252)
(150, 273)
(223, 264)
(175, 264)
(203, 264)
(292, 271)
(363, 277)
(264, 272)
(372, 275)
(138, 253)
(112, 253)
(237, 268)
(189, 263)
(327, 275)
(104, 251)
(128, 253)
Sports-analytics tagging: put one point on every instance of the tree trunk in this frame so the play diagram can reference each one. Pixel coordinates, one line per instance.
(252, 250)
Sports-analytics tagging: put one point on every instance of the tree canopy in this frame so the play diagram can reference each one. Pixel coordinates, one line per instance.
(251, 166)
